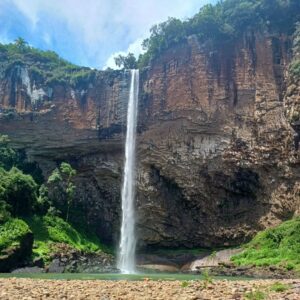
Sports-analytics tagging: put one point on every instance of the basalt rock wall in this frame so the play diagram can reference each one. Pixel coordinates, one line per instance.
(216, 154)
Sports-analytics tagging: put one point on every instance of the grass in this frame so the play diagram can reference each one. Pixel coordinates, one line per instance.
(12, 232)
(49, 231)
(279, 287)
(279, 246)
(256, 295)
(185, 284)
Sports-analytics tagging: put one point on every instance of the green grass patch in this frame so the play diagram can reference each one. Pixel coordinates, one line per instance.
(185, 284)
(279, 287)
(12, 232)
(49, 231)
(279, 246)
(255, 295)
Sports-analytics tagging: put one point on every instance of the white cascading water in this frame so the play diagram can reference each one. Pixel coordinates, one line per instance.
(126, 259)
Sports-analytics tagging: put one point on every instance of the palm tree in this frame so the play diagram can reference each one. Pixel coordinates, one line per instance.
(21, 43)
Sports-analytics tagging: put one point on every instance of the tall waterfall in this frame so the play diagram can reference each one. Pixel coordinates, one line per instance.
(126, 259)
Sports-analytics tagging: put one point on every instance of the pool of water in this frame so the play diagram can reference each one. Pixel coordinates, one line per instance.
(134, 277)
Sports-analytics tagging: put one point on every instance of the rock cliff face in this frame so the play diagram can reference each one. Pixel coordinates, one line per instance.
(216, 154)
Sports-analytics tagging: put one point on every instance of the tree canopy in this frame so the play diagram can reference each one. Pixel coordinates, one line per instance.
(126, 61)
(222, 23)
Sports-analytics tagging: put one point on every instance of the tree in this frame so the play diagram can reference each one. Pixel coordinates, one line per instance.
(62, 178)
(8, 155)
(126, 62)
(18, 190)
(21, 43)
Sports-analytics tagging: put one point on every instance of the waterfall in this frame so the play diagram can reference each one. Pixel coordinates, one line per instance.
(126, 259)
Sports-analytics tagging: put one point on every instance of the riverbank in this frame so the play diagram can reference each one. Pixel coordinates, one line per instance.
(20, 288)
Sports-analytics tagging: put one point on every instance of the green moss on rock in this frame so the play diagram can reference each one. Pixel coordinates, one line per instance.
(16, 241)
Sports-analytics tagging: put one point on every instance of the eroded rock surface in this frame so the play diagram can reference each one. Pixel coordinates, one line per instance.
(216, 154)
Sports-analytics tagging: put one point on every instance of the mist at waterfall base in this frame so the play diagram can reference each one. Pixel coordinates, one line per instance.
(126, 256)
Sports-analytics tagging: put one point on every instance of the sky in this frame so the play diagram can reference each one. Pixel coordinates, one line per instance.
(89, 32)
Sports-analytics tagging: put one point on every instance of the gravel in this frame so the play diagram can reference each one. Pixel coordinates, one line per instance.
(26, 289)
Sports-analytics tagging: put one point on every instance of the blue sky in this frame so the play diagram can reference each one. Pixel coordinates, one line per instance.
(88, 32)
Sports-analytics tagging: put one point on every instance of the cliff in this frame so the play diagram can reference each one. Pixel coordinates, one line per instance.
(217, 159)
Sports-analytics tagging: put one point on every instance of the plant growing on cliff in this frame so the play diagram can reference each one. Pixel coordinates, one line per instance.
(217, 24)
(295, 64)
(21, 43)
(126, 62)
(62, 179)
(43, 66)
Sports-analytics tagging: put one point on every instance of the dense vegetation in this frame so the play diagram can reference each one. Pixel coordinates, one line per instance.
(223, 22)
(274, 246)
(11, 232)
(50, 230)
(126, 61)
(29, 206)
(295, 65)
(43, 66)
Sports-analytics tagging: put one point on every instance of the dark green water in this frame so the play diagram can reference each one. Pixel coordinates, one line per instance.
(142, 276)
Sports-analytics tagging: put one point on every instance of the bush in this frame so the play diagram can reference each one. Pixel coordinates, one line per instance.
(12, 232)
(18, 190)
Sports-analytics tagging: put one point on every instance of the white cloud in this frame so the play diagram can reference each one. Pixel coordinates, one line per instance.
(47, 38)
(104, 26)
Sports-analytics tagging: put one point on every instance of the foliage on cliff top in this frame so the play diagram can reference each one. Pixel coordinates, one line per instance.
(12, 232)
(44, 66)
(274, 246)
(50, 230)
(223, 22)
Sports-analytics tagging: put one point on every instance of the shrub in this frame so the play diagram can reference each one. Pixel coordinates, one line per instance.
(18, 190)
(12, 232)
